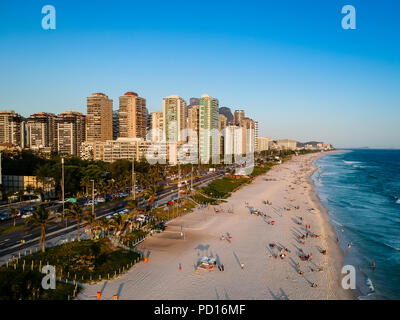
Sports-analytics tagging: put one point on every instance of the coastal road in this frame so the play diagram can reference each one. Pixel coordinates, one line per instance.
(12, 242)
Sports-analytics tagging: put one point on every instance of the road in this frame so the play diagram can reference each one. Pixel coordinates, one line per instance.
(12, 242)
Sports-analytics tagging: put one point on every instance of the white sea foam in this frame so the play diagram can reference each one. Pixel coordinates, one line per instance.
(370, 285)
(398, 201)
(351, 162)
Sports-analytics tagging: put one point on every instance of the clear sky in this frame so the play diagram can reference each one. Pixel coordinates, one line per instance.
(289, 63)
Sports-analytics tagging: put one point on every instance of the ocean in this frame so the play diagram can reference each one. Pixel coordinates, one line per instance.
(361, 191)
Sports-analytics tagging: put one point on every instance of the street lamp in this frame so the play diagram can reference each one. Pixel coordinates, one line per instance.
(92, 196)
(62, 186)
(133, 179)
(1, 177)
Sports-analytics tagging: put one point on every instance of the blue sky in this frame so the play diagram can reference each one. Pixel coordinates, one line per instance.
(289, 64)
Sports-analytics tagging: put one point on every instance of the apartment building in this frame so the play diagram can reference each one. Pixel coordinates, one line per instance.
(71, 132)
(99, 118)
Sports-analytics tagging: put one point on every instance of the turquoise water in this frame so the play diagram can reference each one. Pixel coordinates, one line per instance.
(361, 190)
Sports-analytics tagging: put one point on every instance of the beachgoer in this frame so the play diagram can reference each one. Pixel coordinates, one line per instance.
(222, 267)
(373, 265)
(348, 246)
(242, 265)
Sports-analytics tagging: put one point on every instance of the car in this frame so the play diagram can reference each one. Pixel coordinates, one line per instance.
(109, 216)
(89, 203)
(5, 216)
(100, 200)
(26, 214)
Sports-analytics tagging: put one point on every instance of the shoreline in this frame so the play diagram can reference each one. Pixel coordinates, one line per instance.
(161, 278)
(332, 244)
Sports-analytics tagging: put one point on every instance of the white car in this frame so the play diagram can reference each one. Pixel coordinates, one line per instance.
(109, 216)
(100, 200)
(27, 215)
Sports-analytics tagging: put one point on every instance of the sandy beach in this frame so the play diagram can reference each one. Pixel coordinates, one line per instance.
(255, 243)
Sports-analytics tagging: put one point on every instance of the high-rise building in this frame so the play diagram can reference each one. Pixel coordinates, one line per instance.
(132, 116)
(157, 125)
(115, 124)
(238, 116)
(11, 128)
(174, 118)
(42, 132)
(71, 132)
(194, 101)
(256, 147)
(209, 134)
(222, 124)
(248, 138)
(194, 123)
(99, 118)
(262, 144)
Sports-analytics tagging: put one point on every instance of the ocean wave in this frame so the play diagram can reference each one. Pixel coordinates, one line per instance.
(398, 201)
(370, 285)
(337, 223)
(390, 246)
(352, 162)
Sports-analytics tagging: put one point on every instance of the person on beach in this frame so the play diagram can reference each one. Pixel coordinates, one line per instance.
(348, 246)
(373, 265)
(242, 265)
(222, 267)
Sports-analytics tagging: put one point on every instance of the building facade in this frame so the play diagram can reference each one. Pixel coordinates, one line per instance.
(208, 131)
(99, 118)
(122, 148)
(11, 128)
(238, 116)
(115, 124)
(262, 144)
(174, 118)
(132, 116)
(71, 132)
(157, 125)
(41, 132)
(287, 144)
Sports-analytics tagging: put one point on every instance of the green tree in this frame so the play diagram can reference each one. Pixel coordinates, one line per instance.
(75, 212)
(92, 222)
(20, 194)
(40, 193)
(13, 214)
(40, 218)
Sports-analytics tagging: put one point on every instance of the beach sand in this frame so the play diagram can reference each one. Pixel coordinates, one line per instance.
(263, 277)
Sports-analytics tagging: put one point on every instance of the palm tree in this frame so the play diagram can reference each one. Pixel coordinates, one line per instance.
(40, 218)
(85, 182)
(29, 188)
(119, 222)
(8, 195)
(105, 224)
(13, 214)
(151, 192)
(133, 207)
(75, 212)
(39, 192)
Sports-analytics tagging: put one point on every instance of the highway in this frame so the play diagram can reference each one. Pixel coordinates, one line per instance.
(11, 242)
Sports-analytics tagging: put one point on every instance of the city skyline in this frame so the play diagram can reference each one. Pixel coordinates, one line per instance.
(307, 79)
